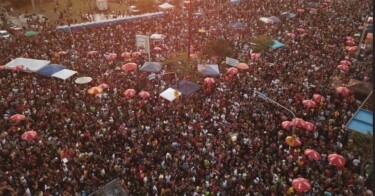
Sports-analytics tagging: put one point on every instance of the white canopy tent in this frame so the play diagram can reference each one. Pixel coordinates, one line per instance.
(157, 36)
(170, 94)
(29, 64)
(64, 74)
(166, 6)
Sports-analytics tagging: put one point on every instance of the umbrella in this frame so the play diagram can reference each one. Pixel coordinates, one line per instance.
(301, 30)
(301, 185)
(255, 56)
(293, 141)
(111, 56)
(312, 154)
(202, 31)
(318, 98)
(232, 71)
(92, 52)
(126, 55)
(157, 49)
(350, 42)
(151, 67)
(351, 49)
(129, 93)
(242, 66)
(31, 33)
(29, 135)
(336, 159)
(103, 86)
(298, 122)
(17, 117)
(83, 80)
(62, 52)
(345, 62)
(209, 80)
(128, 67)
(291, 35)
(287, 15)
(94, 90)
(308, 126)
(309, 103)
(343, 68)
(136, 54)
(343, 90)
(286, 124)
(300, 10)
(144, 94)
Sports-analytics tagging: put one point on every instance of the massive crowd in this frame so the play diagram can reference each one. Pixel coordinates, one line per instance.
(228, 142)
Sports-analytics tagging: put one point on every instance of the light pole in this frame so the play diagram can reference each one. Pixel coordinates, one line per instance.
(264, 97)
(190, 18)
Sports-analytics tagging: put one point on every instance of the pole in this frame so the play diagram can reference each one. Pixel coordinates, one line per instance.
(189, 27)
(263, 96)
(148, 41)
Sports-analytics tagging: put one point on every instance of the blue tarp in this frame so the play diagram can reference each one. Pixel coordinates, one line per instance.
(50, 69)
(151, 67)
(277, 44)
(187, 88)
(362, 122)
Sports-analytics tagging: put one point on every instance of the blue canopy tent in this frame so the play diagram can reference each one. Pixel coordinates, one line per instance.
(151, 67)
(186, 88)
(287, 15)
(50, 69)
(236, 25)
(209, 70)
(276, 44)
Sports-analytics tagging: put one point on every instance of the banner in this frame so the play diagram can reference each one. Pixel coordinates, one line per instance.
(231, 61)
(142, 43)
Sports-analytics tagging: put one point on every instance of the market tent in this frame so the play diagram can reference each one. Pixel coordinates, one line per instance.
(276, 44)
(29, 64)
(50, 69)
(209, 70)
(288, 15)
(274, 19)
(157, 36)
(236, 25)
(187, 88)
(170, 94)
(151, 67)
(166, 6)
(64, 74)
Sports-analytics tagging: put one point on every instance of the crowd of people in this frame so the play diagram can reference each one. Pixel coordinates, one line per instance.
(227, 142)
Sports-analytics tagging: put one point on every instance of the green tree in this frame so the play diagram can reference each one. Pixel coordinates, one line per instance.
(218, 47)
(182, 65)
(145, 6)
(261, 42)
